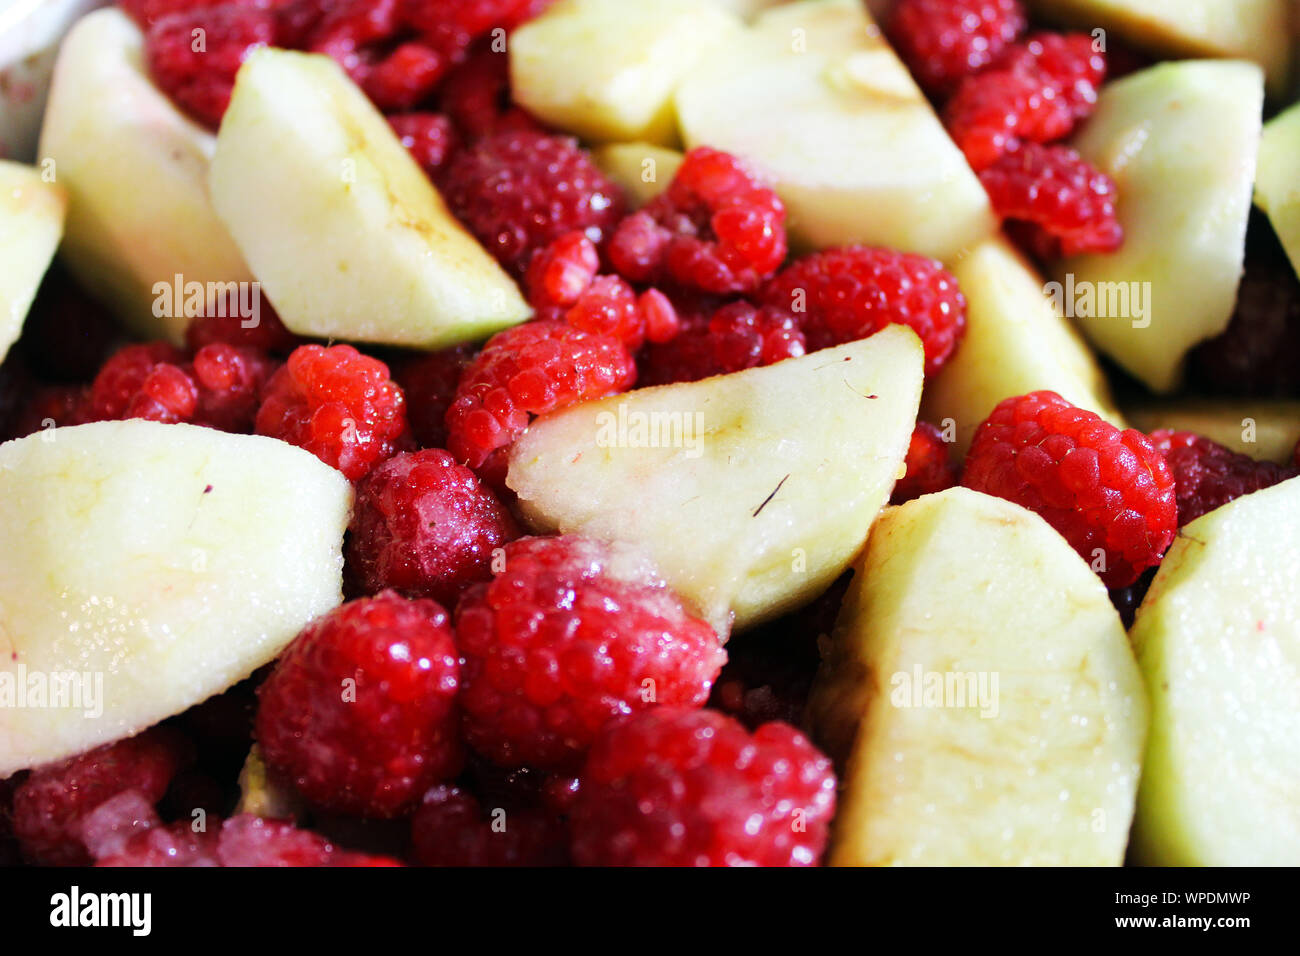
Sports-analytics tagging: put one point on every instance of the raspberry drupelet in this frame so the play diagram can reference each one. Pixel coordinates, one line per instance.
(451, 828)
(1209, 475)
(929, 466)
(428, 137)
(359, 712)
(569, 635)
(674, 787)
(1108, 492)
(429, 384)
(944, 41)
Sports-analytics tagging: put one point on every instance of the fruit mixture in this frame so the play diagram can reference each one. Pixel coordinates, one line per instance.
(683, 432)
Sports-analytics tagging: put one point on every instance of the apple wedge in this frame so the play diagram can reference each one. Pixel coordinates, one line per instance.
(980, 696)
(1266, 429)
(606, 70)
(1016, 342)
(346, 233)
(1277, 184)
(31, 222)
(752, 492)
(135, 169)
(1256, 30)
(814, 96)
(1184, 209)
(643, 170)
(155, 564)
(1218, 641)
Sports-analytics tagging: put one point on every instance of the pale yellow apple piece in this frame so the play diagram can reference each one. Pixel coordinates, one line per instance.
(1277, 183)
(31, 222)
(642, 169)
(1266, 429)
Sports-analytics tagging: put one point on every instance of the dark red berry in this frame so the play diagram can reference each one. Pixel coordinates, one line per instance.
(230, 382)
(429, 383)
(429, 137)
(943, 41)
(121, 384)
(405, 77)
(1209, 475)
(224, 323)
(929, 465)
(995, 111)
(450, 828)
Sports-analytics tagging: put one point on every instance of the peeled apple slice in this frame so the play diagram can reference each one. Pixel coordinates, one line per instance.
(31, 222)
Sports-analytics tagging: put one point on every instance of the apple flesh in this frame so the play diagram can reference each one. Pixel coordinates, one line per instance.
(135, 169)
(1016, 342)
(1183, 207)
(161, 564)
(746, 508)
(1218, 641)
(814, 96)
(1277, 184)
(642, 170)
(606, 70)
(31, 222)
(979, 719)
(1263, 428)
(346, 233)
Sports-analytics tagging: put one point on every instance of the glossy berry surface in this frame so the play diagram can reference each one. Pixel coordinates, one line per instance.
(1209, 475)
(930, 468)
(943, 41)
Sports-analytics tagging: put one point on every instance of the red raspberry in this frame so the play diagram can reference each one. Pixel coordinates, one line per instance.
(717, 228)
(405, 77)
(338, 404)
(105, 830)
(143, 381)
(339, 28)
(944, 41)
(360, 710)
(533, 368)
(242, 841)
(50, 805)
(145, 12)
(1108, 492)
(167, 394)
(569, 635)
(429, 137)
(929, 466)
(1208, 475)
(853, 292)
(451, 829)
(662, 323)
(476, 95)
(174, 845)
(52, 406)
(465, 20)
(673, 787)
(609, 307)
(425, 525)
(1069, 62)
(194, 55)
(268, 334)
(1059, 192)
(429, 383)
(994, 111)
(230, 382)
(519, 191)
(563, 271)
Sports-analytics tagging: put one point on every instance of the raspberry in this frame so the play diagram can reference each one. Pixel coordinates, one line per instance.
(428, 137)
(429, 383)
(563, 271)
(662, 323)
(451, 829)
(230, 382)
(518, 191)
(1127, 600)
(338, 404)
(405, 77)
(929, 466)
(994, 111)
(673, 787)
(425, 525)
(174, 845)
(52, 406)
(105, 830)
(853, 292)
(1108, 492)
(1208, 475)
(769, 675)
(571, 634)
(167, 394)
(339, 28)
(50, 805)
(360, 710)
(1068, 62)
(224, 323)
(247, 840)
(531, 369)
(738, 336)
(1054, 188)
(127, 381)
(943, 41)
(145, 12)
(476, 95)
(194, 55)
(464, 20)
(717, 228)
(610, 308)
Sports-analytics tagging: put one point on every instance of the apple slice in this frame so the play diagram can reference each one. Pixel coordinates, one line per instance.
(606, 69)
(1016, 342)
(346, 233)
(1266, 429)
(751, 492)
(1277, 184)
(1218, 641)
(814, 96)
(136, 173)
(643, 170)
(1256, 30)
(31, 222)
(1184, 209)
(980, 696)
(159, 564)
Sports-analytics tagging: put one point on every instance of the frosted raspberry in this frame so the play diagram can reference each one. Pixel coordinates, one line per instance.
(424, 525)
(673, 787)
(405, 77)
(569, 635)
(1060, 193)
(451, 828)
(531, 369)
(230, 382)
(176, 845)
(338, 404)
(717, 228)
(359, 712)
(429, 383)
(197, 69)
(1108, 492)
(943, 41)
(105, 830)
(518, 191)
(51, 804)
(241, 841)
(428, 137)
(1209, 475)
(842, 295)
(929, 465)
